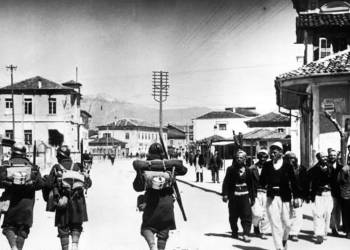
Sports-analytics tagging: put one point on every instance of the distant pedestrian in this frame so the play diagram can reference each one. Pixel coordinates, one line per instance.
(111, 156)
(321, 177)
(199, 164)
(186, 156)
(20, 193)
(215, 163)
(279, 180)
(239, 190)
(260, 221)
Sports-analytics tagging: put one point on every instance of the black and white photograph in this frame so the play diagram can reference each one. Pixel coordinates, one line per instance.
(174, 124)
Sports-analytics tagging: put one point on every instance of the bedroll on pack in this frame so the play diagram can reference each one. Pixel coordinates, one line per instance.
(160, 165)
(157, 180)
(72, 179)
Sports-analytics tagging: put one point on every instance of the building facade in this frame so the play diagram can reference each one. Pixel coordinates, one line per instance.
(319, 92)
(138, 135)
(44, 111)
(222, 123)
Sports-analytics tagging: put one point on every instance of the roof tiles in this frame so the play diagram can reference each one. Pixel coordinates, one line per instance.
(314, 20)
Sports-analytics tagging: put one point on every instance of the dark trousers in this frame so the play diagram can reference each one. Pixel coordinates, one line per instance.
(345, 207)
(215, 175)
(239, 207)
(199, 177)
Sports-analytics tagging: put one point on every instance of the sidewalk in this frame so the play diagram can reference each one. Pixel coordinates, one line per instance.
(207, 184)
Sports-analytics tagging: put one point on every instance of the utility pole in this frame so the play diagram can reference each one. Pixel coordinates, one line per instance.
(160, 93)
(12, 68)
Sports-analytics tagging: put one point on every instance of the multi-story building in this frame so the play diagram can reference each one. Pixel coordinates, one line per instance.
(177, 136)
(222, 123)
(138, 135)
(44, 111)
(319, 87)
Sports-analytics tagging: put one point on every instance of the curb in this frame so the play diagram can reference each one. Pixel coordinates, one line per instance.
(201, 188)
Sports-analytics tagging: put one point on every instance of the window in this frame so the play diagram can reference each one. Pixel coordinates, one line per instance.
(325, 48)
(127, 135)
(107, 135)
(28, 138)
(222, 126)
(55, 137)
(280, 130)
(8, 103)
(52, 105)
(9, 134)
(28, 106)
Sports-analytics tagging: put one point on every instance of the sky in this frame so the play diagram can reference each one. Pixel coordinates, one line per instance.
(219, 53)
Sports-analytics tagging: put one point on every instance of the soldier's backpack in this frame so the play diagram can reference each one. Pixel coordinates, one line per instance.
(157, 179)
(19, 173)
(72, 179)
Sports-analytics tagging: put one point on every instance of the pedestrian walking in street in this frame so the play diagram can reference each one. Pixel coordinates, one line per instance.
(344, 185)
(240, 191)
(335, 191)
(321, 177)
(157, 203)
(278, 178)
(297, 205)
(19, 191)
(199, 164)
(215, 163)
(260, 221)
(68, 181)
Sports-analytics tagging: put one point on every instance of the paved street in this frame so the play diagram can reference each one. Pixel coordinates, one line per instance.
(114, 222)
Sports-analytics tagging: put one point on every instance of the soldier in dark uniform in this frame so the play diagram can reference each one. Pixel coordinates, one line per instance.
(240, 191)
(71, 206)
(21, 193)
(158, 208)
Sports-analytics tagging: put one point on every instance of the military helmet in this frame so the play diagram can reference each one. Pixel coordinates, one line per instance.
(155, 151)
(18, 149)
(63, 152)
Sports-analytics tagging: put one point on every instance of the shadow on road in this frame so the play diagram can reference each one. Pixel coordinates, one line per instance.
(223, 235)
(248, 247)
(307, 217)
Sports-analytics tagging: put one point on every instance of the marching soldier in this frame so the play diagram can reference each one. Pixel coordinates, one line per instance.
(260, 220)
(239, 190)
(20, 191)
(278, 178)
(320, 177)
(71, 209)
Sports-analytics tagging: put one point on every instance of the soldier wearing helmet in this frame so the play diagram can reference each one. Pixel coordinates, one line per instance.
(158, 208)
(71, 210)
(23, 179)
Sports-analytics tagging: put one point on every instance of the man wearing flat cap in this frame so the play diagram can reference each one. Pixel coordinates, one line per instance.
(279, 180)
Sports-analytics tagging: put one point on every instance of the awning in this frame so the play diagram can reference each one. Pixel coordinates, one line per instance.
(223, 143)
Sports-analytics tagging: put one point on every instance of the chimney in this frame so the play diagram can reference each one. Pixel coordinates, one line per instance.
(229, 109)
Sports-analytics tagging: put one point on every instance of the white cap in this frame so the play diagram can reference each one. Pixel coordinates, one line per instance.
(277, 145)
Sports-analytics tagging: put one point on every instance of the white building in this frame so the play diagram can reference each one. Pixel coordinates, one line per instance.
(222, 123)
(137, 134)
(44, 111)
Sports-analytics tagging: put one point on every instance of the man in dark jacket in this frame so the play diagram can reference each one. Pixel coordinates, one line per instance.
(320, 177)
(199, 164)
(21, 193)
(215, 163)
(240, 191)
(278, 178)
(71, 209)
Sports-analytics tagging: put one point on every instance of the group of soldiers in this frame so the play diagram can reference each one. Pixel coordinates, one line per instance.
(64, 196)
(270, 195)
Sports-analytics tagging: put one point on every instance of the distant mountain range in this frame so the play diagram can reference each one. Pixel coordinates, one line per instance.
(105, 109)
